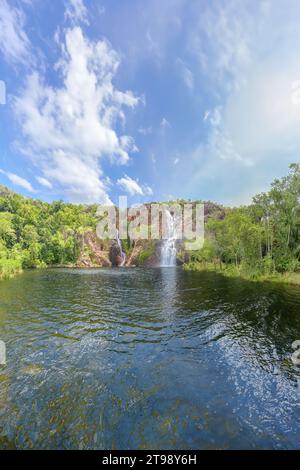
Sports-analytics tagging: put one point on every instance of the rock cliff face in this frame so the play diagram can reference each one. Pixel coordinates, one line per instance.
(144, 253)
(93, 252)
(97, 253)
(133, 259)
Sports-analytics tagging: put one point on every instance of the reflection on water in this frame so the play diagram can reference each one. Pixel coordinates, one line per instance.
(147, 358)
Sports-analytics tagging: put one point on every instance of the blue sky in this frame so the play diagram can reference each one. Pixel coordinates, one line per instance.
(153, 99)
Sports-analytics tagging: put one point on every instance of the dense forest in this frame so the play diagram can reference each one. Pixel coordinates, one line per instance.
(256, 240)
(36, 234)
(261, 239)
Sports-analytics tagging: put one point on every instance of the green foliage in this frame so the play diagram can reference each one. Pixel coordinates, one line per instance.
(9, 267)
(261, 239)
(146, 252)
(35, 234)
(7, 231)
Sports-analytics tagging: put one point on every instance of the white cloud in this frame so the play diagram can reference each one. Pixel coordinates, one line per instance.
(130, 186)
(186, 74)
(145, 130)
(44, 182)
(76, 11)
(258, 118)
(161, 20)
(206, 116)
(221, 41)
(270, 126)
(164, 124)
(219, 143)
(2, 92)
(67, 130)
(18, 180)
(153, 158)
(14, 42)
(152, 45)
(249, 69)
(101, 9)
(133, 188)
(176, 161)
(148, 191)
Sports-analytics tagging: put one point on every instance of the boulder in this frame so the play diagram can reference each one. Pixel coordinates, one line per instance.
(116, 256)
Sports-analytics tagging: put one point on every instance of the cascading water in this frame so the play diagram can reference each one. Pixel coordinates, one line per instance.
(168, 249)
(121, 250)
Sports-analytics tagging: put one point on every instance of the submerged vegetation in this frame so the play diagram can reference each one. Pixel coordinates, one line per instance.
(257, 241)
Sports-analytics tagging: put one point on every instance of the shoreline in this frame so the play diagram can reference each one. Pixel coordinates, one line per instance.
(289, 278)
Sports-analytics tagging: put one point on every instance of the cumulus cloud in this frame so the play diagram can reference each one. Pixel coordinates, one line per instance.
(18, 180)
(130, 186)
(14, 42)
(68, 129)
(133, 188)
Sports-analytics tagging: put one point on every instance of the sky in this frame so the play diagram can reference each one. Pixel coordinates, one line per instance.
(156, 100)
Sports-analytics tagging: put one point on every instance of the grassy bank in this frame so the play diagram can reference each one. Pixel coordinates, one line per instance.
(244, 273)
(9, 268)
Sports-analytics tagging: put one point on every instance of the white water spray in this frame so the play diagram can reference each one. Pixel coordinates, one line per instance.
(121, 250)
(168, 249)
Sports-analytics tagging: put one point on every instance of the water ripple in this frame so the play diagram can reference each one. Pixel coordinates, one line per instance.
(148, 358)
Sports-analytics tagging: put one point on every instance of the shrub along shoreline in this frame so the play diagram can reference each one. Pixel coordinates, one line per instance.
(9, 268)
(292, 278)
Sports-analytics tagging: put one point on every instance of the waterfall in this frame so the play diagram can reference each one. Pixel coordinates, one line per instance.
(168, 249)
(123, 256)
